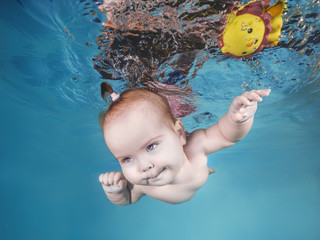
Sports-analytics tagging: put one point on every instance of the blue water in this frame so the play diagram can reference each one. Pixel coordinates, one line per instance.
(52, 150)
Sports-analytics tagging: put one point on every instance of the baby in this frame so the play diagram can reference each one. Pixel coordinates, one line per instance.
(156, 157)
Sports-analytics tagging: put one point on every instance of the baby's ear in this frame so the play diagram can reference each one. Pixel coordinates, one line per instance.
(180, 131)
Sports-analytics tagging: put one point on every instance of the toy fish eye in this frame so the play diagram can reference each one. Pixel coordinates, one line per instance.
(250, 30)
(255, 41)
(244, 53)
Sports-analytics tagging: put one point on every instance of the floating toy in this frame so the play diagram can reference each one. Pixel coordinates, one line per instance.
(252, 27)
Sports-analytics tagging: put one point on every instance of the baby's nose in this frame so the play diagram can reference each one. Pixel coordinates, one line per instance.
(146, 165)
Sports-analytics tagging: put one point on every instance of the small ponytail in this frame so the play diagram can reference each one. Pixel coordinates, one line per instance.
(106, 88)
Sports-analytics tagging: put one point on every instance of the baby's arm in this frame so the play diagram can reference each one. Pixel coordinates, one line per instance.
(238, 121)
(233, 126)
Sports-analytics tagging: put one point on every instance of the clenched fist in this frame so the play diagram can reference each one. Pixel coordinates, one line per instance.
(113, 182)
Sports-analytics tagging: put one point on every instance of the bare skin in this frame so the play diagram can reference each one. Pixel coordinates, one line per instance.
(158, 160)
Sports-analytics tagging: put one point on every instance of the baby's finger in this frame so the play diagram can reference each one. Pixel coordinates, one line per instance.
(103, 178)
(118, 176)
(242, 101)
(262, 92)
(122, 183)
(252, 96)
(111, 178)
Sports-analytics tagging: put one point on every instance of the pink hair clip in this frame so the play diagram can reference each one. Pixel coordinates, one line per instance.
(114, 96)
(106, 88)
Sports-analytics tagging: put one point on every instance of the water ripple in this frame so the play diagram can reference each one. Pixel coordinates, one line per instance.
(165, 41)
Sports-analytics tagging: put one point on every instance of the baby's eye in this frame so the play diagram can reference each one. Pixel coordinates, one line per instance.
(125, 160)
(151, 147)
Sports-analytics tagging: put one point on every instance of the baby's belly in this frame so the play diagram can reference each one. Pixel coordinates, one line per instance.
(174, 197)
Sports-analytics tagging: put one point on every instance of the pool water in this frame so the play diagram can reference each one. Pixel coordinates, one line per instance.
(52, 150)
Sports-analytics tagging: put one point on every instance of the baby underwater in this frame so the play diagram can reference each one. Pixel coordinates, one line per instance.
(156, 157)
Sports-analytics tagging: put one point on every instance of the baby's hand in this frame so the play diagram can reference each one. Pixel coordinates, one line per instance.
(244, 107)
(113, 182)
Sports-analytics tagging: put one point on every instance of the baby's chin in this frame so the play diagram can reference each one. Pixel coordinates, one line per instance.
(164, 178)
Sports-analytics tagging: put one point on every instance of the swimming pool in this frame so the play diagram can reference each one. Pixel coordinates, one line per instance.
(52, 150)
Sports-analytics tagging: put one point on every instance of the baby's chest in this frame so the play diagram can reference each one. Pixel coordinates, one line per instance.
(172, 194)
(199, 177)
(179, 193)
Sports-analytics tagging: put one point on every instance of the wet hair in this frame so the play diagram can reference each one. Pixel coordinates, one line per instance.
(128, 99)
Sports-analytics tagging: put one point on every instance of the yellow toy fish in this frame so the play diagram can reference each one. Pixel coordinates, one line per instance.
(251, 27)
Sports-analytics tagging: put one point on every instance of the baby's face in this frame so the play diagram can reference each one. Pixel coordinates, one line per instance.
(150, 152)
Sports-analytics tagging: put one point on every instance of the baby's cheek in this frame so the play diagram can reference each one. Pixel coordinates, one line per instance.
(130, 174)
(126, 173)
(176, 152)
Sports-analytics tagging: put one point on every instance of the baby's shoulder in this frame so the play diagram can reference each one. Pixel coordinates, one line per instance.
(195, 145)
(196, 139)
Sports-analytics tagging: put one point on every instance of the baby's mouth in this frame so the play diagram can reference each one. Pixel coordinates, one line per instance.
(156, 176)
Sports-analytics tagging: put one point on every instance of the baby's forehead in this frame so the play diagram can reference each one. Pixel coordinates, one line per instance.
(139, 108)
(145, 108)
(141, 116)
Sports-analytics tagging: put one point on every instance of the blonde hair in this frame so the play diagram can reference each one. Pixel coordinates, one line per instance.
(129, 98)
